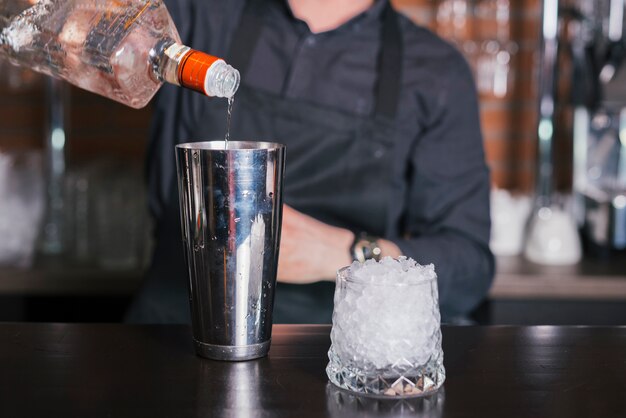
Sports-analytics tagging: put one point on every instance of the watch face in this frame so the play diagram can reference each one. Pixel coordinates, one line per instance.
(377, 252)
(366, 249)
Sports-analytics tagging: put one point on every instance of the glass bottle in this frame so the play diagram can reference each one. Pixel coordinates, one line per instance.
(121, 49)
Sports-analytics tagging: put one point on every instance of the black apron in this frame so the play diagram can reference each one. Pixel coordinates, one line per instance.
(339, 170)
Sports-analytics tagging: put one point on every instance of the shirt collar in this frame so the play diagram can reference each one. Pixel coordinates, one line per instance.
(376, 11)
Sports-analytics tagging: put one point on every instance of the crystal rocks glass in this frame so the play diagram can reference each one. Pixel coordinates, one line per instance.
(386, 335)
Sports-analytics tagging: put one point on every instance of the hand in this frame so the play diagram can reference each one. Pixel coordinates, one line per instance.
(311, 250)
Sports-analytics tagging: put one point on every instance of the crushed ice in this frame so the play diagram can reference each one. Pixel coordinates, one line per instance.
(400, 271)
(387, 313)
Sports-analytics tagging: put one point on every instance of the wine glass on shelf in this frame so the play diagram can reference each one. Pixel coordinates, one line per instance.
(495, 74)
(454, 23)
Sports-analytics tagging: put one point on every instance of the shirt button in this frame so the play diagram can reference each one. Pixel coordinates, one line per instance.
(310, 41)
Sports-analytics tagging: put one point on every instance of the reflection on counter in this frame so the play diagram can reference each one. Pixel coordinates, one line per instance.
(343, 404)
(241, 385)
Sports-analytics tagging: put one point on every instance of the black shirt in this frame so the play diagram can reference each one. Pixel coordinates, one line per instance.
(443, 215)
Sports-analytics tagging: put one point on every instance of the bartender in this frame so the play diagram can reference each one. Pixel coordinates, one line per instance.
(384, 149)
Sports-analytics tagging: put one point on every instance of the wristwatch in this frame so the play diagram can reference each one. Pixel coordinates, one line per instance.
(365, 247)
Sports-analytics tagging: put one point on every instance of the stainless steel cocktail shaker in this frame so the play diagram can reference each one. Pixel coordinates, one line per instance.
(231, 212)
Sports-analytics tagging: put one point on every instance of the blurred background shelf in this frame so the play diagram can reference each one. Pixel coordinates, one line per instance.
(54, 290)
(591, 279)
(516, 278)
(592, 292)
(63, 280)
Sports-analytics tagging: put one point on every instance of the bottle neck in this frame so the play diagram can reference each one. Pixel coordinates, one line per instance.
(166, 58)
(182, 66)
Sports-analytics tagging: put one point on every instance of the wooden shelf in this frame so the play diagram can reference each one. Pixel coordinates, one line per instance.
(591, 279)
(57, 278)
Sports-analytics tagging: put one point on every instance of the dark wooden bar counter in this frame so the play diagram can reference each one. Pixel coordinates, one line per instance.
(88, 370)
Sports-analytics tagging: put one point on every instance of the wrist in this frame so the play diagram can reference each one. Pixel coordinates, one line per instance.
(339, 256)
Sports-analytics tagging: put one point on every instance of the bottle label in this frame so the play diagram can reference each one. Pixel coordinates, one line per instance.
(193, 68)
(110, 30)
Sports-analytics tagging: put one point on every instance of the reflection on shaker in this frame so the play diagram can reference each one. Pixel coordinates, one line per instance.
(343, 404)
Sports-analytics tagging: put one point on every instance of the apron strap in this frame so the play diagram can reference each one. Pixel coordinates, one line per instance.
(389, 60)
(389, 66)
